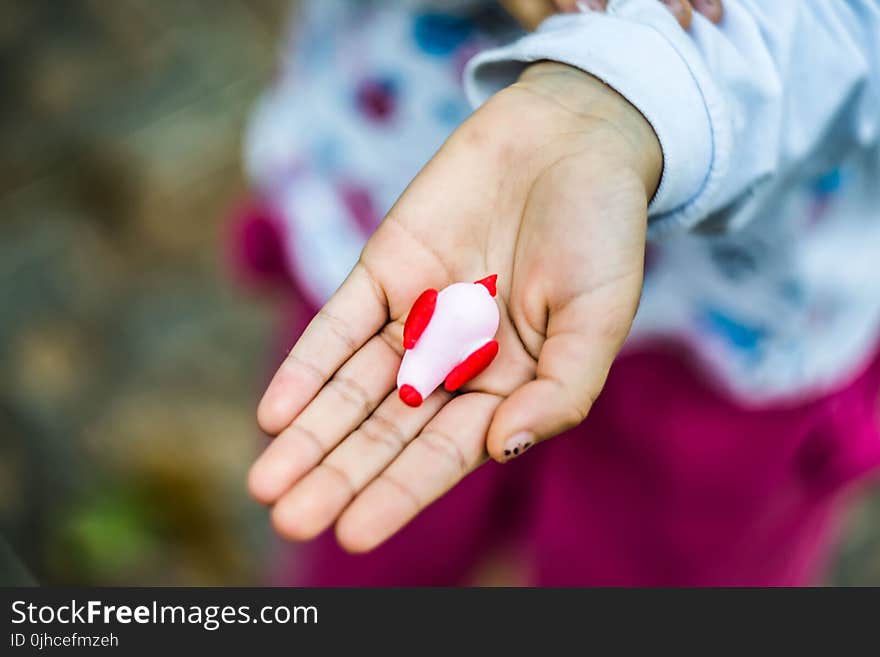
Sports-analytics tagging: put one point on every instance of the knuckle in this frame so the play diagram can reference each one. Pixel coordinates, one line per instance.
(574, 408)
(342, 476)
(573, 417)
(309, 437)
(402, 488)
(379, 429)
(338, 327)
(351, 392)
(444, 445)
(295, 360)
(371, 275)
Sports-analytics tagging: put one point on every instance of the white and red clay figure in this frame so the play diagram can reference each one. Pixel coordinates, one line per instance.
(448, 337)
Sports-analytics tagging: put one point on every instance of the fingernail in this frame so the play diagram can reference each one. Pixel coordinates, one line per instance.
(518, 444)
(590, 5)
(711, 9)
(680, 11)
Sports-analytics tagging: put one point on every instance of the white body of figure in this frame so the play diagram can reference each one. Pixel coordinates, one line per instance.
(464, 321)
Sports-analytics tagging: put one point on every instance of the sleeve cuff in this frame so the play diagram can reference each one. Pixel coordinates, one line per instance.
(638, 49)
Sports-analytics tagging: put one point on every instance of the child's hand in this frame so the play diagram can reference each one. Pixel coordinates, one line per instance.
(546, 185)
(530, 13)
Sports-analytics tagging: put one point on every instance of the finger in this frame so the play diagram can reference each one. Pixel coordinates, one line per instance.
(572, 367)
(341, 405)
(711, 9)
(581, 5)
(315, 502)
(449, 447)
(682, 11)
(529, 13)
(355, 312)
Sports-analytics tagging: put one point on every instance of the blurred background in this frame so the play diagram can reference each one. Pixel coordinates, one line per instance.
(130, 359)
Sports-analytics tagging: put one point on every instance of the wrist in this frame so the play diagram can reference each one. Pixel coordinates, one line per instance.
(604, 111)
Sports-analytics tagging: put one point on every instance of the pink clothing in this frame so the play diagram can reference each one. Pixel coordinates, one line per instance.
(667, 482)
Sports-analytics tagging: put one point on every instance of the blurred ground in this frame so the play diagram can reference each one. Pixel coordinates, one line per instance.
(130, 363)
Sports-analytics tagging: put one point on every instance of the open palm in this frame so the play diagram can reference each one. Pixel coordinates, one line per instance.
(547, 186)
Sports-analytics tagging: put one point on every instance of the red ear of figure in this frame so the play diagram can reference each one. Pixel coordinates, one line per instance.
(418, 318)
(488, 283)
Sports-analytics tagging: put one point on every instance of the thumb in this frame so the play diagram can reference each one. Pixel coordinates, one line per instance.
(572, 367)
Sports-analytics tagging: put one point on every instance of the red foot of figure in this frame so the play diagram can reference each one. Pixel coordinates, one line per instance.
(410, 396)
(471, 366)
